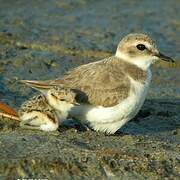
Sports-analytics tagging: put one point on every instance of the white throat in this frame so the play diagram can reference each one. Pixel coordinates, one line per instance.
(62, 107)
(143, 63)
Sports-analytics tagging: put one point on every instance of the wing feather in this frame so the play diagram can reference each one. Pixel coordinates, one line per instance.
(100, 83)
(104, 83)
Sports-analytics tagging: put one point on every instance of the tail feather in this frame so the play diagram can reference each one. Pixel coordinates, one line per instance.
(42, 86)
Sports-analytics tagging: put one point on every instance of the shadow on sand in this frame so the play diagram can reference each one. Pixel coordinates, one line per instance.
(156, 116)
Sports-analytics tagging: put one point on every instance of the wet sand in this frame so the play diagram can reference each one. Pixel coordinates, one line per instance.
(42, 40)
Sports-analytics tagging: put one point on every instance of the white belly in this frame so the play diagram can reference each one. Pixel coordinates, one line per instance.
(110, 119)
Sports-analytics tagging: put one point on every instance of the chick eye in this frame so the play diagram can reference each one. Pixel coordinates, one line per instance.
(53, 95)
(141, 47)
(62, 99)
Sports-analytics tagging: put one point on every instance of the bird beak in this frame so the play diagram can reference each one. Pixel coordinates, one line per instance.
(164, 58)
(77, 104)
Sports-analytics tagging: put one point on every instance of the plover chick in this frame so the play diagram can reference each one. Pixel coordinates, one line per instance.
(112, 90)
(44, 112)
(36, 113)
(62, 100)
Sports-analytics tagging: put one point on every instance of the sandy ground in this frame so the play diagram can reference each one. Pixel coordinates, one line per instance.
(43, 39)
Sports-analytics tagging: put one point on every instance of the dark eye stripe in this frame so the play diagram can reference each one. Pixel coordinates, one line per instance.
(141, 47)
(54, 96)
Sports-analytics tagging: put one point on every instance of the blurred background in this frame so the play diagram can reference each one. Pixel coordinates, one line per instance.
(43, 39)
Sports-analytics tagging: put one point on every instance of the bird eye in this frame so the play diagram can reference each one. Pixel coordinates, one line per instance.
(62, 99)
(141, 47)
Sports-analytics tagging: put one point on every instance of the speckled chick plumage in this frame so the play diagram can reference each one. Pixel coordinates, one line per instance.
(37, 113)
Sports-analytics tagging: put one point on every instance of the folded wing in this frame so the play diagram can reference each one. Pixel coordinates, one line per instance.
(100, 83)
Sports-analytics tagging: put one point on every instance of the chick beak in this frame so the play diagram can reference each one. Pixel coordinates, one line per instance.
(76, 104)
(164, 58)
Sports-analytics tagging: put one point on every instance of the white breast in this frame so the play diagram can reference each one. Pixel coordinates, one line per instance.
(110, 119)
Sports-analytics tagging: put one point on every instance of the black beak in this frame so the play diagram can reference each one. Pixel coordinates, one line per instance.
(165, 58)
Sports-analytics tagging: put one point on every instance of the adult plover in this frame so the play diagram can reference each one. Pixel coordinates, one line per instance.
(112, 90)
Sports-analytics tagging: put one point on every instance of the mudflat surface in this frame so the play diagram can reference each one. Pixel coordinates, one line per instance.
(43, 39)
